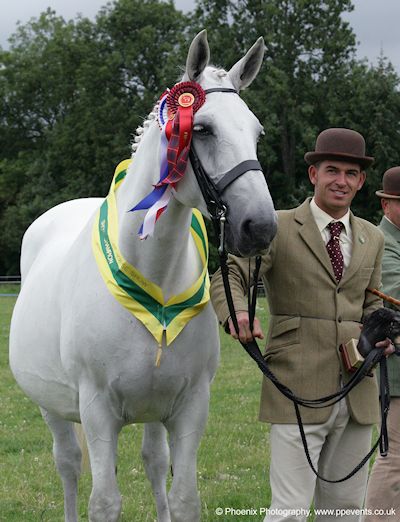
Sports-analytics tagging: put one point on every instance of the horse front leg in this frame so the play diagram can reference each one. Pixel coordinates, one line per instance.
(155, 454)
(185, 428)
(101, 428)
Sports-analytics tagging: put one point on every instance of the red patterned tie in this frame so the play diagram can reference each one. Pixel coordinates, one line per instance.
(334, 251)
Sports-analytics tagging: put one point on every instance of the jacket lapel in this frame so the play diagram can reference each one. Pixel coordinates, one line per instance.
(312, 237)
(359, 247)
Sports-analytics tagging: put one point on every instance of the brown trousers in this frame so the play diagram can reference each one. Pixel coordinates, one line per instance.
(383, 493)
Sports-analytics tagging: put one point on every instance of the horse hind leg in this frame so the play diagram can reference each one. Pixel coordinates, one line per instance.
(155, 454)
(67, 456)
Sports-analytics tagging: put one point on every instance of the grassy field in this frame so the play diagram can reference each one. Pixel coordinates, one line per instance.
(232, 460)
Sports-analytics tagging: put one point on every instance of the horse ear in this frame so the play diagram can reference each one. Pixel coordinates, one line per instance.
(246, 69)
(198, 56)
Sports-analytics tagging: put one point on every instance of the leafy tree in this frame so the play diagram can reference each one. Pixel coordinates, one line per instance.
(307, 43)
(72, 95)
(367, 99)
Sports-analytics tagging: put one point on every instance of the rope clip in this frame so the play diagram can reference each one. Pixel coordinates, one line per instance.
(222, 221)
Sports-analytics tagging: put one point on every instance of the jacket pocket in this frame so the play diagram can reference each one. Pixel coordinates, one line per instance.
(285, 333)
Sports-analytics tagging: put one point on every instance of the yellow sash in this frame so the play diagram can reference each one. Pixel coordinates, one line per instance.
(141, 297)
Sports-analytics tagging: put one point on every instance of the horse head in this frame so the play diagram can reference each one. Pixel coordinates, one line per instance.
(225, 135)
(381, 324)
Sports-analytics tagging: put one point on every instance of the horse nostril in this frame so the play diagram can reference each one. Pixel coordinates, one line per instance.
(247, 226)
(254, 232)
(259, 232)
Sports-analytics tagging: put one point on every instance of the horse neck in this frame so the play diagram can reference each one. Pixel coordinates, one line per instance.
(169, 258)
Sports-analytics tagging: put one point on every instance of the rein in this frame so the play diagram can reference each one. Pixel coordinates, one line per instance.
(374, 357)
(218, 212)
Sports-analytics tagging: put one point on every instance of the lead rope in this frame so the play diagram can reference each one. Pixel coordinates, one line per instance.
(253, 350)
(218, 211)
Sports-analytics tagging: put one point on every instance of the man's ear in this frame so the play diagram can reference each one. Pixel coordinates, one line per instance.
(312, 174)
(362, 180)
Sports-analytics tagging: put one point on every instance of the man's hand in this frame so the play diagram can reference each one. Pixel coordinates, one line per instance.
(387, 346)
(245, 334)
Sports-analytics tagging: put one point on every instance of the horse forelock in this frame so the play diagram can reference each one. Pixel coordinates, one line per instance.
(212, 76)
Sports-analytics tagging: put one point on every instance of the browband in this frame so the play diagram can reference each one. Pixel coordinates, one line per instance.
(220, 89)
(237, 171)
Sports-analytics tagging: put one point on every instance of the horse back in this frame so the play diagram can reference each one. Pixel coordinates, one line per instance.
(59, 226)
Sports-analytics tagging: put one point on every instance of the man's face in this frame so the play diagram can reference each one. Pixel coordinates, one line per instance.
(391, 208)
(335, 185)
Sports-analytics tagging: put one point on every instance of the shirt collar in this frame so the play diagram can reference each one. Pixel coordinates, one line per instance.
(391, 222)
(323, 219)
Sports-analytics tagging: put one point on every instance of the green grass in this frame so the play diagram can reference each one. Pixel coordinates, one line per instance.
(232, 459)
(9, 288)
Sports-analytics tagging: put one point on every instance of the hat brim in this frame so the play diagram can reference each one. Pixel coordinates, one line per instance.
(381, 194)
(314, 157)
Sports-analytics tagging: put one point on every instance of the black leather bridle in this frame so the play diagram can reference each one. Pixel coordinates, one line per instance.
(212, 195)
(211, 191)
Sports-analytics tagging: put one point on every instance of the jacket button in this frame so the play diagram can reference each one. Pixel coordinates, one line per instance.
(339, 319)
(338, 290)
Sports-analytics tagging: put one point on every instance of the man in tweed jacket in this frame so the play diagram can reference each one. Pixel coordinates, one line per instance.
(312, 313)
(384, 483)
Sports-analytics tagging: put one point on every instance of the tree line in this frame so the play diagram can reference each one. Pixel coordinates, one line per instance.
(73, 92)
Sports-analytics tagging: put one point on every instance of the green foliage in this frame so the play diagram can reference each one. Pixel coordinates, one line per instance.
(72, 93)
(307, 44)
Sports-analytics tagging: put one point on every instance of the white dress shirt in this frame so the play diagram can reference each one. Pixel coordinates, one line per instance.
(323, 219)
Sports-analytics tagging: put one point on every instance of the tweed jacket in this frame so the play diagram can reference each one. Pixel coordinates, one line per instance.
(310, 314)
(391, 286)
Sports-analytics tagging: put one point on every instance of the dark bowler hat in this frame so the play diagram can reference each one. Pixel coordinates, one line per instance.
(391, 184)
(341, 145)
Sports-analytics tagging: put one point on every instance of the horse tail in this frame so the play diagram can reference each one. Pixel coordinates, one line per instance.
(80, 435)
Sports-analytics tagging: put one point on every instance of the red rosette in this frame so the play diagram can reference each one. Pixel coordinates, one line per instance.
(186, 94)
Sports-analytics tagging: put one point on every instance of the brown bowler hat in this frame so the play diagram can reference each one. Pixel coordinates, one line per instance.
(391, 184)
(341, 145)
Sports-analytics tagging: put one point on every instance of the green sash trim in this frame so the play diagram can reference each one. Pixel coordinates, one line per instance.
(137, 294)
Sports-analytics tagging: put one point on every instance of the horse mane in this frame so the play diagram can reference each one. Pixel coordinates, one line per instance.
(216, 73)
(142, 129)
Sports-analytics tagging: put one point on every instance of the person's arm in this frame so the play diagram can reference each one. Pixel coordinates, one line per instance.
(391, 269)
(239, 283)
(371, 301)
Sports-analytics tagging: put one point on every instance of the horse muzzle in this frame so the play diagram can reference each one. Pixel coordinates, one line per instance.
(251, 236)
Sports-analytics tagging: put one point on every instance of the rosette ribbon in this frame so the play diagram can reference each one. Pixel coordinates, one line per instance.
(176, 109)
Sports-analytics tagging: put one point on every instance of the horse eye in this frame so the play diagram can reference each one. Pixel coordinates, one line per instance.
(202, 130)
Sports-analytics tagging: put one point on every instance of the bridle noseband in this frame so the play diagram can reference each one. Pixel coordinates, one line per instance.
(212, 191)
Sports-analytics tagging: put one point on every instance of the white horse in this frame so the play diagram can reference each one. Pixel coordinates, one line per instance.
(82, 357)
